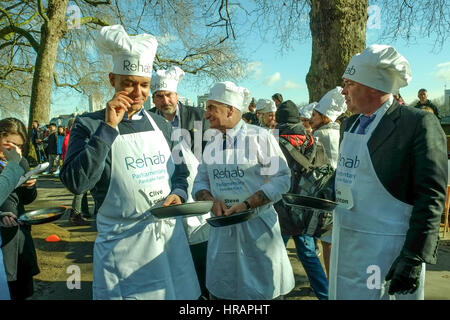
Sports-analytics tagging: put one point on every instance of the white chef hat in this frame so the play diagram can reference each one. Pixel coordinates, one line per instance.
(266, 105)
(132, 55)
(380, 67)
(167, 79)
(332, 104)
(306, 111)
(229, 93)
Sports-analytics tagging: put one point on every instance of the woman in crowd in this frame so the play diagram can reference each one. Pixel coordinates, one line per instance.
(266, 113)
(19, 254)
(306, 114)
(326, 131)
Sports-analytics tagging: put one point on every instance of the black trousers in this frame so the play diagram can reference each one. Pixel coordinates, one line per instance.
(198, 252)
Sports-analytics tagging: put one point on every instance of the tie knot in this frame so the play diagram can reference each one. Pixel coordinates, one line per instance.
(364, 121)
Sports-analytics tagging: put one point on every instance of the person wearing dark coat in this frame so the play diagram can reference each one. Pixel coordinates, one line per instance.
(291, 129)
(193, 123)
(390, 184)
(19, 254)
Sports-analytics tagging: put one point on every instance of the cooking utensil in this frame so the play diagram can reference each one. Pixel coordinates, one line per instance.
(309, 202)
(184, 209)
(43, 215)
(234, 218)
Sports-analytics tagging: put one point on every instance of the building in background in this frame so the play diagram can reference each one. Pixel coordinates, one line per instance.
(201, 101)
(447, 98)
(95, 102)
(185, 101)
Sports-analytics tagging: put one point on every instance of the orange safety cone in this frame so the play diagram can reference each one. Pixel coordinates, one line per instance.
(53, 238)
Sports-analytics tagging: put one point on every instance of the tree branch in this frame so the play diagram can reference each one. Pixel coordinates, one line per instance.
(42, 11)
(73, 86)
(97, 3)
(6, 32)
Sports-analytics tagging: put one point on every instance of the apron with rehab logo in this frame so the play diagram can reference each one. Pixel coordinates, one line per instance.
(137, 256)
(369, 228)
(246, 260)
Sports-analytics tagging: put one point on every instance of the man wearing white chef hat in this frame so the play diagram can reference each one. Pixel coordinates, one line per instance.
(247, 260)
(190, 123)
(122, 154)
(266, 109)
(390, 185)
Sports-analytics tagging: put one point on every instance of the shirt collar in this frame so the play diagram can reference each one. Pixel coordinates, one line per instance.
(137, 116)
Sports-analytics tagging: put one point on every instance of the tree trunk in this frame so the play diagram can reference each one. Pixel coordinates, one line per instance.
(338, 30)
(52, 32)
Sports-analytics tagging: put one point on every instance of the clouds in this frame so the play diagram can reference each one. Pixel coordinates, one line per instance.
(272, 79)
(443, 71)
(254, 69)
(290, 85)
(276, 78)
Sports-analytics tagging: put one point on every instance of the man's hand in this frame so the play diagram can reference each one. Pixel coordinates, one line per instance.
(404, 275)
(116, 108)
(239, 207)
(219, 207)
(12, 152)
(171, 200)
(29, 183)
(8, 220)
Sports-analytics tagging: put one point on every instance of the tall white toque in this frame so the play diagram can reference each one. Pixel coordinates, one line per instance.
(167, 79)
(132, 55)
(380, 67)
(229, 93)
(332, 104)
(265, 105)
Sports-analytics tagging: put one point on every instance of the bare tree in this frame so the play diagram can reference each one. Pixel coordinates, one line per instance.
(37, 38)
(338, 29)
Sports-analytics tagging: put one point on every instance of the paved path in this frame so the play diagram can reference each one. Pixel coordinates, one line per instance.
(76, 245)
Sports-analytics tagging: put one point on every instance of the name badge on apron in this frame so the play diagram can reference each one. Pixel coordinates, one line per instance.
(344, 197)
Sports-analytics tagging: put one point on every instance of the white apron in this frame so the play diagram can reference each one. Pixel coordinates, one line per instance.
(196, 227)
(137, 256)
(4, 289)
(369, 227)
(246, 260)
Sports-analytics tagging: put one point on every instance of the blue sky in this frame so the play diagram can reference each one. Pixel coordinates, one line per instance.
(270, 72)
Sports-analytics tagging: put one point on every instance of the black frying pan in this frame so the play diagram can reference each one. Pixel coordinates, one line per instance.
(43, 215)
(183, 210)
(234, 218)
(309, 202)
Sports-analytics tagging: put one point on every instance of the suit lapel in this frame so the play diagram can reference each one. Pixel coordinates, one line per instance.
(184, 116)
(384, 128)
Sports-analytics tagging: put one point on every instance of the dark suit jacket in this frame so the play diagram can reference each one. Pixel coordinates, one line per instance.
(188, 115)
(409, 154)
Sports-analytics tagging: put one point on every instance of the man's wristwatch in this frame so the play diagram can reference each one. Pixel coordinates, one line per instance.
(247, 204)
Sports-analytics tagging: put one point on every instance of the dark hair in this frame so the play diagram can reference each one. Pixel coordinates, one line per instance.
(52, 124)
(422, 90)
(14, 126)
(278, 96)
